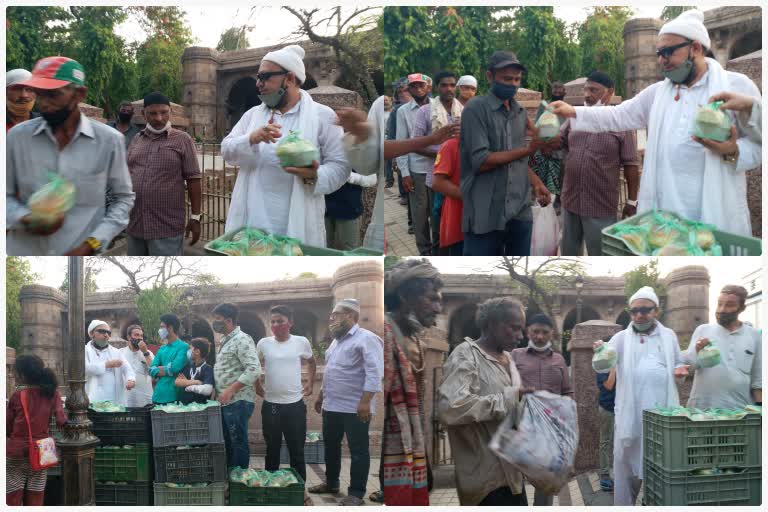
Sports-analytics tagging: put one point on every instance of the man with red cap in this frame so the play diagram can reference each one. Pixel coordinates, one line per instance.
(65, 144)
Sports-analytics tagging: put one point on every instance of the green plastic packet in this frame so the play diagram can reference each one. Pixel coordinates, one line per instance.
(635, 236)
(52, 201)
(604, 358)
(712, 123)
(666, 229)
(708, 356)
(293, 151)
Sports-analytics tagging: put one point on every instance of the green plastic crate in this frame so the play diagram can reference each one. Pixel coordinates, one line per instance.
(123, 465)
(307, 250)
(733, 245)
(188, 465)
(126, 493)
(681, 488)
(314, 453)
(292, 495)
(213, 494)
(676, 443)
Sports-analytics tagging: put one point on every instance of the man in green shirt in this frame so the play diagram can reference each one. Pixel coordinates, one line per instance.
(169, 361)
(235, 372)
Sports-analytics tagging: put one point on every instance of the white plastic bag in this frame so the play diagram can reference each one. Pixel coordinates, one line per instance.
(543, 446)
(546, 230)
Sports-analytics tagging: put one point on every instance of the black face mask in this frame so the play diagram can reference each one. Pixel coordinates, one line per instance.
(558, 98)
(58, 117)
(726, 319)
(124, 117)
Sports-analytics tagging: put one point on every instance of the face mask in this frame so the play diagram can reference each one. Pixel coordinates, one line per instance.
(557, 98)
(539, 349)
(503, 91)
(124, 117)
(599, 103)
(158, 132)
(643, 327)
(135, 343)
(163, 333)
(726, 319)
(274, 99)
(189, 355)
(281, 330)
(57, 118)
(418, 99)
(100, 343)
(218, 326)
(681, 73)
(20, 109)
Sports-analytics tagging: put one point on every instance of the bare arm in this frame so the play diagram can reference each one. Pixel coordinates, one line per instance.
(610, 382)
(443, 184)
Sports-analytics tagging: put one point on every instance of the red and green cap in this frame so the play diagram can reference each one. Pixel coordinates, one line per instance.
(55, 72)
(417, 77)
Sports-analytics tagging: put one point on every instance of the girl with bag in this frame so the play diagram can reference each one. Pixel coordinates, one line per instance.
(29, 448)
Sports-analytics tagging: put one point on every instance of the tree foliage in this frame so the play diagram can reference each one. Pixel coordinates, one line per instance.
(671, 12)
(646, 274)
(234, 38)
(461, 39)
(115, 70)
(90, 284)
(152, 304)
(18, 272)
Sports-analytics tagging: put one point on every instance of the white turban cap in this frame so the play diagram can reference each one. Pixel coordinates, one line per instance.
(94, 324)
(467, 80)
(646, 292)
(290, 58)
(690, 24)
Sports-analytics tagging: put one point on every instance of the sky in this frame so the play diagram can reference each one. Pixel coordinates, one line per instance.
(272, 24)
(722, 270)
(52, 269)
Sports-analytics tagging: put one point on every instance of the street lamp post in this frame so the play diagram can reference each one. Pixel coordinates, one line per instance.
(78, 443)
(579, 285)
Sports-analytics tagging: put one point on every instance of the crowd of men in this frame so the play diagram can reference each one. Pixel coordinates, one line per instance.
(473, 194)
(146, 182)
(484, 380)
(242, 370)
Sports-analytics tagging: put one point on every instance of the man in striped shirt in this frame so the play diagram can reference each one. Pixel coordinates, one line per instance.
(590, 195)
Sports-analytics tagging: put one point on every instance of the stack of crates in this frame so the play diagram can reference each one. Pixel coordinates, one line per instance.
(314, 452)
(122, 465)
(291, 495)
(701, 463)
(190, 459)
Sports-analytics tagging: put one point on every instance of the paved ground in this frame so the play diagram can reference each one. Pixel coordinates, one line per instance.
(399, 242)
(584, 490)
(316, 475)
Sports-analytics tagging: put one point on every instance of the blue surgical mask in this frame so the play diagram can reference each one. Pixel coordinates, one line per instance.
(503, 91)
(681, 73)
(163, 333)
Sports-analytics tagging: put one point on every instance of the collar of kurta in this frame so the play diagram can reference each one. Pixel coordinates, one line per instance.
(231, 335)
(351, 332)
(84, 127)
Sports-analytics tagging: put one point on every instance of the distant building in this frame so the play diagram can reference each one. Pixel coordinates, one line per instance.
(754, 313)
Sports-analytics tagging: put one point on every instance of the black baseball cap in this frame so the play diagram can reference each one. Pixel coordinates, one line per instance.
(503, 59)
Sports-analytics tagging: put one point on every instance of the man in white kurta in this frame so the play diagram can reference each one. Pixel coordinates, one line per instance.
(108, 374)
(286, 201)
(737, 381)
(701, 180)
(648, 354)
(140, 358)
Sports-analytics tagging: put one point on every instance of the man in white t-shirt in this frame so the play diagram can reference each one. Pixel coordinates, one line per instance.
(283, 413)
(140, 358)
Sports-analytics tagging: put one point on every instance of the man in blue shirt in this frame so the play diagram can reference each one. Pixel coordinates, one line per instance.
(606, 386)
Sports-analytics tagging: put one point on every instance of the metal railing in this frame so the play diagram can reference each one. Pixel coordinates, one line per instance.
(218, 181)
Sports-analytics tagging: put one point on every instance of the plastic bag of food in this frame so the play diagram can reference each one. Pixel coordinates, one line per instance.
(293, 151)
(708, 356)
(666, 230)
(52, 201)
(543, 445)
(605, 358)
(634, 236)
(548, 124)
(712, 123)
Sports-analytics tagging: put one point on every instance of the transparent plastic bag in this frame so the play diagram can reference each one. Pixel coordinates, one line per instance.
(548, 124)
(293, 151)
(545, 236)
(604, 359)
(52, 201)
(543, 446)
(712, 123)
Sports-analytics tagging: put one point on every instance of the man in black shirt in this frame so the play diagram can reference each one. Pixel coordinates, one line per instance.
(197, 377)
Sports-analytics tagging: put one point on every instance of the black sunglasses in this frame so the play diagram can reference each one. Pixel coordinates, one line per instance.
(104, 331)
(667, 51)
(644, 310)
(263, 77)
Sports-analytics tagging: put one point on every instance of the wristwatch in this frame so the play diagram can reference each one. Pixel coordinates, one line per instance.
(195, 216)
(632, 202)
(94, 244)
(145, 354)
(732, 158)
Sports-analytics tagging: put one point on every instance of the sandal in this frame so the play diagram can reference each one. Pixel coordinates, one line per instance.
(376, 497)
(308, 501)
(323, 488)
